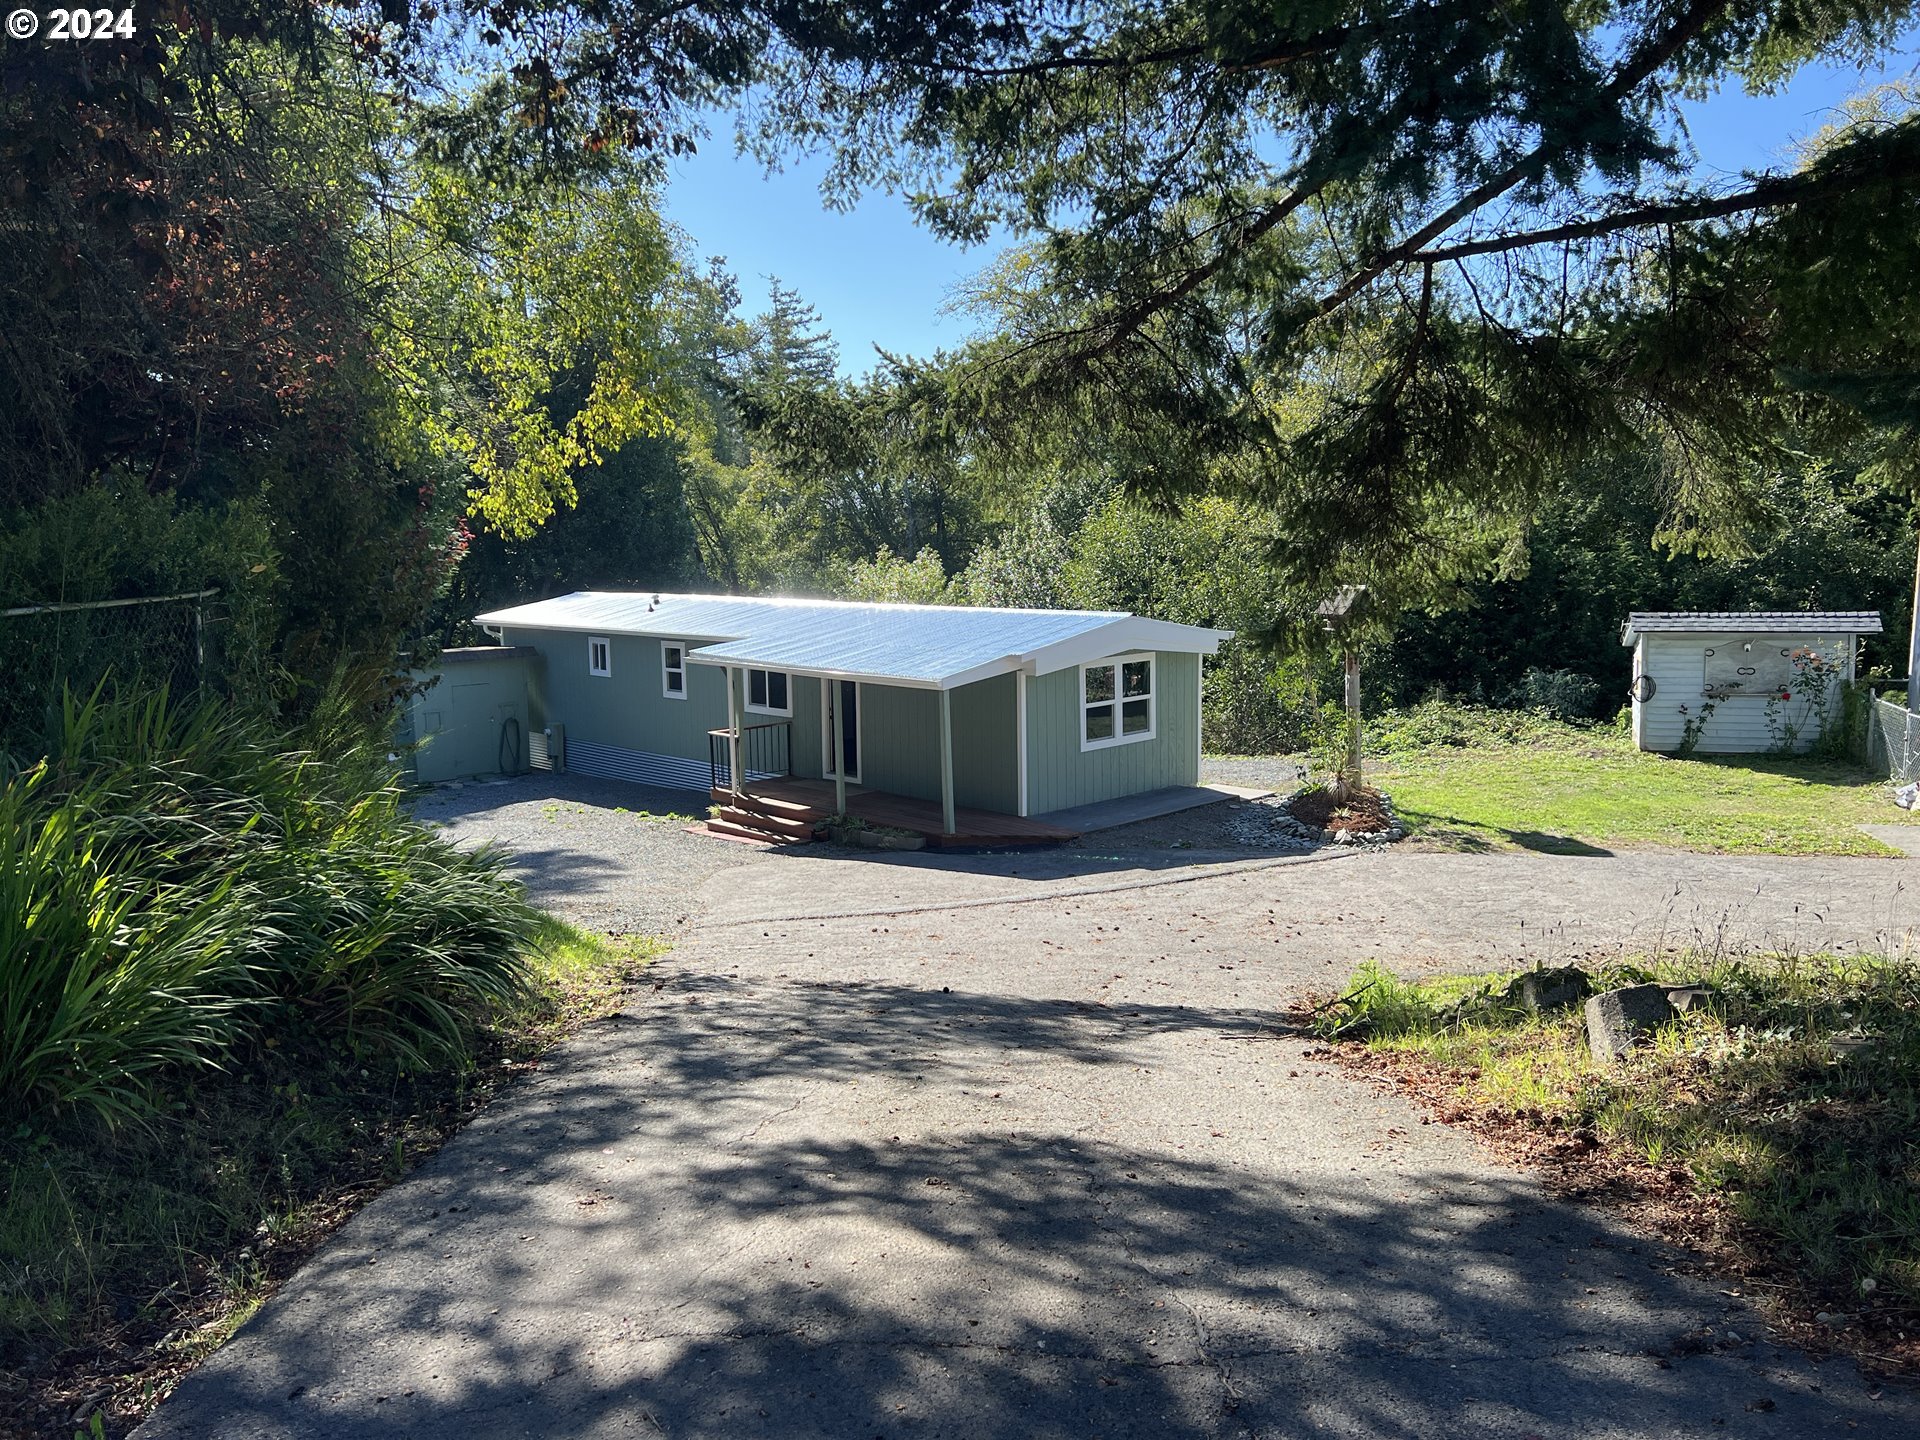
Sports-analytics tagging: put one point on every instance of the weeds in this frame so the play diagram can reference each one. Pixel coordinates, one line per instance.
(1793, 1094)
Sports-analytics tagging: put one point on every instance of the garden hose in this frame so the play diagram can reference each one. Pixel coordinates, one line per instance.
(510, 747)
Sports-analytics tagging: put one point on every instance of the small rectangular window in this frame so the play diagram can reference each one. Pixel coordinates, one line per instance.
(1116, 701)
(769, 692)
(673, 669)
(599, 656)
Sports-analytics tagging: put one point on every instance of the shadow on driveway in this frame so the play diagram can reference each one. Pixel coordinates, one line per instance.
(767, 1208)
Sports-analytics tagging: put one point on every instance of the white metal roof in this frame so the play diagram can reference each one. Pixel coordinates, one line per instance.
(1749, 622)
(936, 646)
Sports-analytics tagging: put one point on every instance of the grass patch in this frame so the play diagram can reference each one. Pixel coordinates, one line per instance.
(1791, 1102)
(128, 1255)
(1477, 779)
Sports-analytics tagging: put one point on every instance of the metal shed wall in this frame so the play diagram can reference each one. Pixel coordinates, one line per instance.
(1061, 775)
(1677, 662)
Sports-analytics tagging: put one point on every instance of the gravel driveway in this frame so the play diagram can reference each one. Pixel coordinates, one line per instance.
(602, 853)
(991, 1147)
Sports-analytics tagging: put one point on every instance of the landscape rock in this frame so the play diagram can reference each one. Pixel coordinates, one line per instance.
(1617, 1020)
(1550, 988)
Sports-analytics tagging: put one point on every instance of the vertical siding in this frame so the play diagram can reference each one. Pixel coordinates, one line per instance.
(628, 708)
(808, 753)
(985, 734)
(1738, 726)
(459, 722)
(900, 740)
(1061, 775)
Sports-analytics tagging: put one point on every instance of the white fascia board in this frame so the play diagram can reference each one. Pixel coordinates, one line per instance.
(1121, 638)
(506, 620)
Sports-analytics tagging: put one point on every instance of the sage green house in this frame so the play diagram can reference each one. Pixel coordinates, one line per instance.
(1014, 711)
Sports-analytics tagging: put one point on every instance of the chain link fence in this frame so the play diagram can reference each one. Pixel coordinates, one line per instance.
(1893, 741)
(49, 649)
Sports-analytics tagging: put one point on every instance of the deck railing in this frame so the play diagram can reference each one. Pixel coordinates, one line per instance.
(766, 753)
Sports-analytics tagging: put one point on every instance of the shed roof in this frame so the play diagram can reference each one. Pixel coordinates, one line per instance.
(936, 646)
(1749, 622)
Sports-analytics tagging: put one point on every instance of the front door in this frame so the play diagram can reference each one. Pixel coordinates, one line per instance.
(842, 698)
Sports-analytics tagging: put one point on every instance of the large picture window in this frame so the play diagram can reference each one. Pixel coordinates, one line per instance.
(1116, 701)
(599, 656)
(673, 669)
(769, 692)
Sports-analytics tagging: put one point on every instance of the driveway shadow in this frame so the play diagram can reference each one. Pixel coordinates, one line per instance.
(784, 1209)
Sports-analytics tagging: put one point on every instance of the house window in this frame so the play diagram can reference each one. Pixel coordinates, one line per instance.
(1116, 701)
(599, 656)
(768, 692)
(673, 669)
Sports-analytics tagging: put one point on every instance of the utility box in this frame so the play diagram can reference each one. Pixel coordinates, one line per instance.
(472, 718)
(1740, 682)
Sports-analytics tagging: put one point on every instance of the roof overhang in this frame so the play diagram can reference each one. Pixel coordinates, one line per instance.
(1123, 637)
(1763, 622)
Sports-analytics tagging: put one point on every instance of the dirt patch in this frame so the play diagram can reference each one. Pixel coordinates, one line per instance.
(1364, 812)
(1577, 1164)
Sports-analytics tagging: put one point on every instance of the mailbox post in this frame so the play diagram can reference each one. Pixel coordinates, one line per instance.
(1340, 615)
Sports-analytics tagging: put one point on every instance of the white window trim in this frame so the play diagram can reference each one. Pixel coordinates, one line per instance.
(666, 670)
(601, 670)
(1152, 698)
(746, 681)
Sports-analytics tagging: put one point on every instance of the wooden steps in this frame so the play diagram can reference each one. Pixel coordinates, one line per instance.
(763, 817)
(789, 811)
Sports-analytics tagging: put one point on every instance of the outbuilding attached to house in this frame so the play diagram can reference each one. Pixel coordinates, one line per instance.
(1741, 682)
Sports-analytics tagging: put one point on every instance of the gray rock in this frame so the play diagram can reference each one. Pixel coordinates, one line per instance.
(1552, 988)
(1617, 1020)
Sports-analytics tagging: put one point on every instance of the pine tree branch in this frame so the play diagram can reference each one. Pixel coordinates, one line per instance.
(1768, 194)
(1698, 16)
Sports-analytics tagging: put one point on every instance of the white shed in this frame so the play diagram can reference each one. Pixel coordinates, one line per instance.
(1747, 680)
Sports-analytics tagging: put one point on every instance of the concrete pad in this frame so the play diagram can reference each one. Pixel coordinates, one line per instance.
(1901, 837)
(1106, 814)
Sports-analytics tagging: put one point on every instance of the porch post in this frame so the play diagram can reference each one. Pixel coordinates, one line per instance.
(733, 731)
(946, 759)
(837, 739)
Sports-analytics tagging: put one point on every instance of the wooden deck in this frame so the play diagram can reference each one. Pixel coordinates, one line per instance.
(814, 798)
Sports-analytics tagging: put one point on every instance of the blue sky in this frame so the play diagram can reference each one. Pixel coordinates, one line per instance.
(878, 279)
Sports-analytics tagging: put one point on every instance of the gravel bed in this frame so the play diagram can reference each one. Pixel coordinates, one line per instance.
(603, 854)
(1280, 773)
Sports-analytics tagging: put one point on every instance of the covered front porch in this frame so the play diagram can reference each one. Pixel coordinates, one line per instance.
(791, 807)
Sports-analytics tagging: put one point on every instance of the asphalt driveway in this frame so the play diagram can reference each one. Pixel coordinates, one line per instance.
(985, 1147)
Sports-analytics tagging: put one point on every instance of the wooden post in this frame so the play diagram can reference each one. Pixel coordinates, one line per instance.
(1913, 646)
(946, 760)
(1352, 717)
(733, 732)
(839, 746)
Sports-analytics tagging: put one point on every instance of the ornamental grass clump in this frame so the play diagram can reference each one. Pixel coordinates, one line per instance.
(177, 883)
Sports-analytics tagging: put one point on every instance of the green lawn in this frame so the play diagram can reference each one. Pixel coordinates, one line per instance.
(1567, 790)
